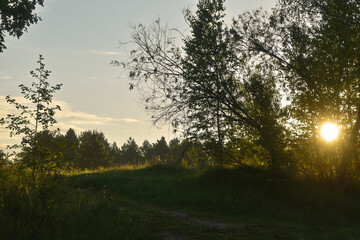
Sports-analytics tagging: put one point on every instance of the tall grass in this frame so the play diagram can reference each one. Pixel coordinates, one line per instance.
(90, 204)
(246, 193)
(70, 213)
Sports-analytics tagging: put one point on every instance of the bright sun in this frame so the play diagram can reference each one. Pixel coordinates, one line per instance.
(329, 131)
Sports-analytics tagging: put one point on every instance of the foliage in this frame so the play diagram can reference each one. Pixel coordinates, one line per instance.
(3, 158)
(161, 150)
(313, 48)
(130, 153)
(34, 176)
(35, 114)
(94, 150)
(212, 90)
(16, 17)
(71, 146)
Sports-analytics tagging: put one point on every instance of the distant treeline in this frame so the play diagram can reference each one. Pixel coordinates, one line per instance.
(91, 150)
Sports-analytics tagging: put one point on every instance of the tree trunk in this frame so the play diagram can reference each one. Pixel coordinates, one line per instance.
(219, 135)
(271, 142)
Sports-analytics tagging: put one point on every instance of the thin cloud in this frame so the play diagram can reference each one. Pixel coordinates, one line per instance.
(129, 120)
(6, 77)
(3, 146)
(66, 118)
(65, 126)
(111, 53)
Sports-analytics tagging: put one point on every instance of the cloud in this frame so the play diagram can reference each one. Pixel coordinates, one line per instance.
(78, 118)
(66, 118)
(111, 53)
(82, 118)
(129, 120)
(6, 77)
(3, 146)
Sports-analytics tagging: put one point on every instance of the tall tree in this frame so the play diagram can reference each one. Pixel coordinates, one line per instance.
(16, 16)
(221, 82)
(209, 67)
(94, 150)
(147, 151)
(161, 150)
(71, 146)
(210, 90)
(130, 153)
(314, 47)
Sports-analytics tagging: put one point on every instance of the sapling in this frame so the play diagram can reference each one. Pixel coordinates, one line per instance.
(33, 121)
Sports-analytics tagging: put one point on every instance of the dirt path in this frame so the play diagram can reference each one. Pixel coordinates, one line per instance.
(167, 235)
(206, 226)
(177, 225)
(204, 222)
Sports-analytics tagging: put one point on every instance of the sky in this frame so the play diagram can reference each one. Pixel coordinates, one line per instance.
(79, 39)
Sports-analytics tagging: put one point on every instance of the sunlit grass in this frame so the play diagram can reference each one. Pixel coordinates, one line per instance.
(74, 172)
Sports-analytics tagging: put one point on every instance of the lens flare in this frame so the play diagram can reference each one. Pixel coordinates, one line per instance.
(329, 131)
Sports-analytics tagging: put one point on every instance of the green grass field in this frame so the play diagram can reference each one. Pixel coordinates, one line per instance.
(169, 203)
(174, 203)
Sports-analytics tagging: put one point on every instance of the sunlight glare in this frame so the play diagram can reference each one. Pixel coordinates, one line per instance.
(329, 131)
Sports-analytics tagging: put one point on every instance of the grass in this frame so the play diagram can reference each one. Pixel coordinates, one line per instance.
(71, 213)
(306, 207)
(129, 203)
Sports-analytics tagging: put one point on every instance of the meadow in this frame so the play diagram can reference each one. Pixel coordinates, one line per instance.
(168, 202)
(242, 203)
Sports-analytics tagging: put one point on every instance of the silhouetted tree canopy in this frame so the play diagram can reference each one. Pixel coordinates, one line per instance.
(312, 47)
(161, 150)
(16, 16)
(130, 153)
(3, 157)
(267, 82)
(94, 150)
(211, 90)
(71, 145)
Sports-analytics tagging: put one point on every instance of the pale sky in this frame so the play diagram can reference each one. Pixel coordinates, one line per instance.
(79, 39)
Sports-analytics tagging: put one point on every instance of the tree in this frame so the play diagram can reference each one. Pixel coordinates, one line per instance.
(154, 66)
(161, 150)
(115, 154)
(94, 150)
(16, 17)
(209, 66)
(212, 89)
(130, 153)
(71, 146)
(33, 124)
(38, 116)
(147, 151)
(313, 45)
(175, 155)
(224, 82)
(50, 148)
(3, 157)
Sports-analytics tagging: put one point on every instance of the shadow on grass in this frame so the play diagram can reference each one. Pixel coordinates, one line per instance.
(244, 193)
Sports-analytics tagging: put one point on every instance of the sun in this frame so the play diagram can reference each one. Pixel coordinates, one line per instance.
(329, 131)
